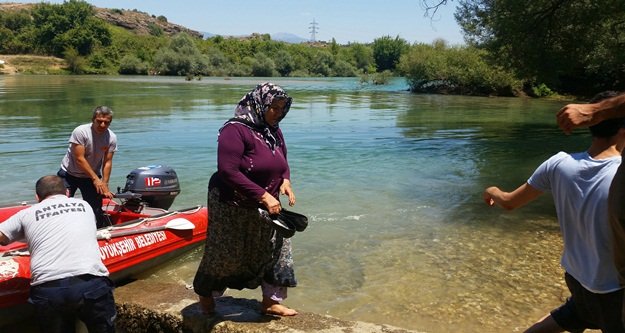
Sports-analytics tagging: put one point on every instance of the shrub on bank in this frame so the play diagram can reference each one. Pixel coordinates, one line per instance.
(131, 64)
(456, 70)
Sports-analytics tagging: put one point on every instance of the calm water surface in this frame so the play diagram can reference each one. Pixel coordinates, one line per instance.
(391, 182)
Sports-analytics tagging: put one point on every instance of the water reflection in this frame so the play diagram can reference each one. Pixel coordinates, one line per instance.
(391, 182)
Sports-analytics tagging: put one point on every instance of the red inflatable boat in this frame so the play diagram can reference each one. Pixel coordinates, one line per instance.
(141, 235)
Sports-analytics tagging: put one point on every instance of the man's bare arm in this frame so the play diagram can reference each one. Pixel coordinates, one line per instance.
(574, 116)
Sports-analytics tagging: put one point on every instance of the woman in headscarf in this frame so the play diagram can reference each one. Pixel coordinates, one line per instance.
(242, 250)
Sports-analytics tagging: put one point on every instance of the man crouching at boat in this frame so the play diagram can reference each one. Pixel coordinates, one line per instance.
(68, 279)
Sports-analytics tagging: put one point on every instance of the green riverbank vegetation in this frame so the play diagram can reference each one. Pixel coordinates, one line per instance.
(502, 56)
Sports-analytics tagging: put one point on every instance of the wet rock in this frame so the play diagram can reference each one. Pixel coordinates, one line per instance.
(167, 307)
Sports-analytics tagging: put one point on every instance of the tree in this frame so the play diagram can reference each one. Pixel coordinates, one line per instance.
(362, 56)
(387, 51)
(182, 57)
(572, 45)
(14, 31)
(343, 68)
(262, 65)
(437, 68)
(130, 64)
(75, 62)
(15, 21)
(322, 63)
(284, 63)
(71, 25)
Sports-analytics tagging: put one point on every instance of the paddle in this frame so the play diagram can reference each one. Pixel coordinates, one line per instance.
(174, 224)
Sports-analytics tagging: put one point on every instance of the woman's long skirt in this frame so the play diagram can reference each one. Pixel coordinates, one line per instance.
(241, 251)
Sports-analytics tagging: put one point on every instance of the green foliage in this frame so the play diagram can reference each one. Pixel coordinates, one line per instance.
(387, 52)
(334, 47)
(285, 64)
(75, 62)
(182, 57)
(15, 21)
(125, 43)
(15, 31)
(70, 25)
(98, 61)
(263, 66)
(456, 70)
(321, 64)
(542, 90)
(154, 29)
(361, 56)
(571, 46)
(240, 70)
(92, 46)
(379, 78)
(342, 68)
(382, 77)
(131, 64)
(104, 48)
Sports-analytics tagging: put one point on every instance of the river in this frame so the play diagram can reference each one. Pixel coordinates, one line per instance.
(390, 180)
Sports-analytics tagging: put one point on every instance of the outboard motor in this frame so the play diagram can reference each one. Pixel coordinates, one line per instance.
(157, 184)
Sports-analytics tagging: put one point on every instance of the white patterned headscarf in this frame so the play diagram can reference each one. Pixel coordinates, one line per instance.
(252, 107)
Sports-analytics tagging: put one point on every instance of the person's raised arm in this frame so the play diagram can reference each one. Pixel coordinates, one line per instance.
(573, 116)
(510, 200)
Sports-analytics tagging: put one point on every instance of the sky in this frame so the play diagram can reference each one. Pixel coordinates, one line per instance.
(346, 21)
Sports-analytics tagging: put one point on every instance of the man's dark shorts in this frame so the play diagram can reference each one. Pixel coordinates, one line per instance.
(86, 297)
(88, 193)
(588, 310)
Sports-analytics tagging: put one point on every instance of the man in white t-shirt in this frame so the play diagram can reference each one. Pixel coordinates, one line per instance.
(68, 278)
(88, 162)
(580, 184)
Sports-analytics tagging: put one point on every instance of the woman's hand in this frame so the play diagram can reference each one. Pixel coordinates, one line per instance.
(272, 204)
(286, 189)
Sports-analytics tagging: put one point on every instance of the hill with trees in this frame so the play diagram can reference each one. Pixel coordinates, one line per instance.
(568, 47)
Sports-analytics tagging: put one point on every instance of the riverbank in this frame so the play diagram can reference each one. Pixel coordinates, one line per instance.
(31, 64)
(169, 307)
(173, 308)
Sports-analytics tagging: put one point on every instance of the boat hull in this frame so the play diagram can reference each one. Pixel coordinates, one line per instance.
(133, 245)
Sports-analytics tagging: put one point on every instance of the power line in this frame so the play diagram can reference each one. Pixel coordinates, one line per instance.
(313, 30)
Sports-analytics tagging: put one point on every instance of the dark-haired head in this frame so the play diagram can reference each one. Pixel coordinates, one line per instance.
(607, 128)
(49, 185)
(102, 110)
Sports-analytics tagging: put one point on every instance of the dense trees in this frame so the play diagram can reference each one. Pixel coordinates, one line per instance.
(90, 45)
(570, 46)
(56, 28)
(538, 47)
(438, 68)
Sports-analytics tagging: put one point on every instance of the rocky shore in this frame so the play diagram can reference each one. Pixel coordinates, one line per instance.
(171, 308)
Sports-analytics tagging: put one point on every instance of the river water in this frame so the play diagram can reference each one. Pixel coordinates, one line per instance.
(391, 182)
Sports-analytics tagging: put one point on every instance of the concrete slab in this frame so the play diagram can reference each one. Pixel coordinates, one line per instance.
(167, 307)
